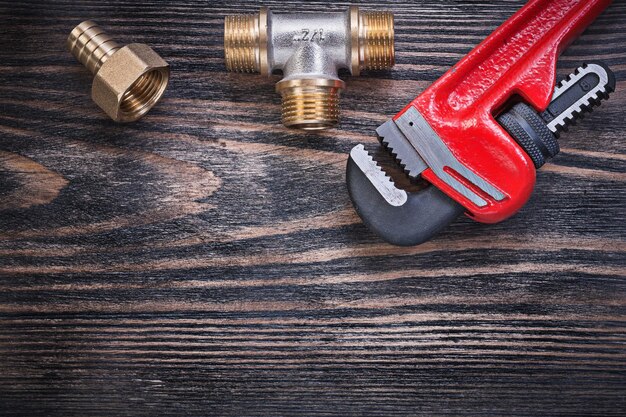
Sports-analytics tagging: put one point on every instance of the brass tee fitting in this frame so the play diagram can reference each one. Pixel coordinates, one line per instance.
(309, 49)
(128, 81)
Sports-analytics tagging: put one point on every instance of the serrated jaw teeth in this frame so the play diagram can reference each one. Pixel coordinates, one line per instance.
(378, 177)
(578, 94)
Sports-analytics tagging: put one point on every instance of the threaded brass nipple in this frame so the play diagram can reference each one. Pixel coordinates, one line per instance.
(241, 42)
(310, 104)
(376, 40)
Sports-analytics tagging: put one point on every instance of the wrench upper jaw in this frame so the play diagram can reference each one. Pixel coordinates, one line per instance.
(399, 217)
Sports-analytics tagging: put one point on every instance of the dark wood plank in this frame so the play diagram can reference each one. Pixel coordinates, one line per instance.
(207, 261)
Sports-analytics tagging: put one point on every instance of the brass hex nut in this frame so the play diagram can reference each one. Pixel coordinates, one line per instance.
(130, 82)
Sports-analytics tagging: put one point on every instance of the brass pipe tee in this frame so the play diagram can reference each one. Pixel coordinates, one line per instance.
(128, 80)
(309, 49)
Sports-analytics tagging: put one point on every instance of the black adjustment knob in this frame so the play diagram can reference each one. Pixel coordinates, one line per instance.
(574, 97)
(530, 131)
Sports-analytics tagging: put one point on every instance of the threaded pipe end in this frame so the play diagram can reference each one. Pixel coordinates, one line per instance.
(242, 43)
(310, 104)
(376, 40)
(90, 45)
(143, 94)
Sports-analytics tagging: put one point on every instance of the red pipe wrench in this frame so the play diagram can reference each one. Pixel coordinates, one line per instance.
(478, 134)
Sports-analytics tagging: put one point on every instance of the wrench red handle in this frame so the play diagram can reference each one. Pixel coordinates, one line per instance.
(519, 58)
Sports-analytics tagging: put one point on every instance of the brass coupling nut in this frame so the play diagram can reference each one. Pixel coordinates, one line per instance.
(128, 80)
(309, 49)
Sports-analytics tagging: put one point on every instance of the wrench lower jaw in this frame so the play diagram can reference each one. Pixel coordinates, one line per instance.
(424, 214)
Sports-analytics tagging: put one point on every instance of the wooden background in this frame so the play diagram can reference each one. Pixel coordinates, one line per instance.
(207, 261)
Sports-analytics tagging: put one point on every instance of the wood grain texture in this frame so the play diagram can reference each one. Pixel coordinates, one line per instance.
(207, 260)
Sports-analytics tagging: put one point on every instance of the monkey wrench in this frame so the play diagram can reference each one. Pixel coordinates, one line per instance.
(478, 134)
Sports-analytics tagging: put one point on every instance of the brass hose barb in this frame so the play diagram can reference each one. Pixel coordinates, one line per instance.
(128, 80)
(309, 49)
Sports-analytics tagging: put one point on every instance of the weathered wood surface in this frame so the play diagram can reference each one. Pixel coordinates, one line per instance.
(207, 261)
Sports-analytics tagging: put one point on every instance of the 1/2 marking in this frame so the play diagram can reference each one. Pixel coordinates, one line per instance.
(308, 35)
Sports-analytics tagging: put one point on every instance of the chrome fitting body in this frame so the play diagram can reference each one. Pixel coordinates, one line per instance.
(309, 49)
